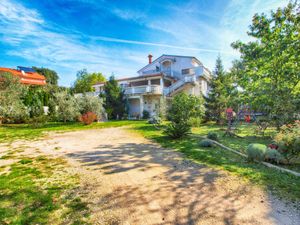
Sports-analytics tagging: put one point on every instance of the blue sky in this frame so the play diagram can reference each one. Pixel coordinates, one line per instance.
(116, 36)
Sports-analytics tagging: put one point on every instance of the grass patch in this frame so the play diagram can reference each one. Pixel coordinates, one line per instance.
(281, 184)
(12, 132)
(33, 192)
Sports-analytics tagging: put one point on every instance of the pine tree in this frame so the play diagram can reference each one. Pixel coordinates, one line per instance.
(217, 99)
(114, 102)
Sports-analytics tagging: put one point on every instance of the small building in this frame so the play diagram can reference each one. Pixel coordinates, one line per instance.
(26, 75)
(161, 80)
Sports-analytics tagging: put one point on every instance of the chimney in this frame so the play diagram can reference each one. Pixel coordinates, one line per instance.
(150, 58)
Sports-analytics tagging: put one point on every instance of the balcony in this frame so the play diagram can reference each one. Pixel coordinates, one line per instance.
(146, 89)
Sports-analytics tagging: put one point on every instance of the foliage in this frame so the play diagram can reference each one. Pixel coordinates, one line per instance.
(50, 75)
(282, 184)
(288, 140)
(177, 130)
(146, 114)
(219, 94)
(114, 102)
(256, 152)
(205, 143)
(88, 118)
(35, 99)
(274, 156)
(270, 80)
(212, 135)
(37, 121)
(183, 108)
(85, 81)
(12, 107)
(195, 121)
(155, 120)
(262, 123)
(67, 106)
(91, 104)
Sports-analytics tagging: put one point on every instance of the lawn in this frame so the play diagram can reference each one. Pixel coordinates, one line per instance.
(37, 190)
(281, 184)
(12, 132)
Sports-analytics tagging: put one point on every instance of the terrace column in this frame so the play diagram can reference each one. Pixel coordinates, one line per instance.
(141, 106)
(162, 84)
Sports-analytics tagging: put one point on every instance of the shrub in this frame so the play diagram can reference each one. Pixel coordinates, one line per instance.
(195, 121)
(177, 130)
(155, 120)
(146, 114)
(91, 104)
(212, 135)
(67, 107)
(256, 152)
(288, 141)
(272, 155)
(206, 143)
(88, 118)
(38, 121)
(182, 109)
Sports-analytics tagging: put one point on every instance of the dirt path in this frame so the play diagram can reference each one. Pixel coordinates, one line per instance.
(130, 180)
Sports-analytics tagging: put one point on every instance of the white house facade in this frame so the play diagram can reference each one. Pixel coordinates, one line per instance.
(160, 80)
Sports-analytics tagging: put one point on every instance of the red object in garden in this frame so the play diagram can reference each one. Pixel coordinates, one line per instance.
(247, 118)
(88, 118)
(229, 113)
(273, 146)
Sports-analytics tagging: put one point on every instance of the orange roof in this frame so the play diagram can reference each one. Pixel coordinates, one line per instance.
(26, 77)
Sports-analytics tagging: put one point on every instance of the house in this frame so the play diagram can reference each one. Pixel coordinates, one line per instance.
(27, 75)
(160, 80)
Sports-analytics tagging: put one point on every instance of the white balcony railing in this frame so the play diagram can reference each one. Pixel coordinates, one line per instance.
(147, 89)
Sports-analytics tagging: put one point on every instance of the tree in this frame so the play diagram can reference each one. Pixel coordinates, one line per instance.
(67, 106)
(91, 104)
(271, 78)
(85, 81)
(183, 108)
(114, 102)
(12, 107)
(219, 94)
(51, 75)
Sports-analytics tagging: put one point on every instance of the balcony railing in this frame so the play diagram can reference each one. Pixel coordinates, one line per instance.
(147, 89)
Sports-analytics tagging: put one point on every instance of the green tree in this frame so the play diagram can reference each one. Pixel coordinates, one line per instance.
(85, 81)
(271, 78)
(91, 104)
(182, 109)
(51, 75)
(12, 107)
(114, 102)
(67, 106)
(220, 91)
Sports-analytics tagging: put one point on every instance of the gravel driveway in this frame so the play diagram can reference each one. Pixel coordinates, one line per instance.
(128, 179)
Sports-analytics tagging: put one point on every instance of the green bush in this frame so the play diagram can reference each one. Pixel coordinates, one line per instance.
(212, 135)
(272, 155)
(206, 143)
(288, 141)
(256, 152)
(177, 130)
(146, 114)
(183, 108)
(195, 121)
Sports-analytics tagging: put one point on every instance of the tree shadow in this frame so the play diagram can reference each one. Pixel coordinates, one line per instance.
(167, 189)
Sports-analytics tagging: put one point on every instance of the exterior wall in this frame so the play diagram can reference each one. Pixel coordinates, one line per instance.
(151, 104)
(178, 63)
(134, 107)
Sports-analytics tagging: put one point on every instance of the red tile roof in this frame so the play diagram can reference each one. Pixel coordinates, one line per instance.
(32, 78)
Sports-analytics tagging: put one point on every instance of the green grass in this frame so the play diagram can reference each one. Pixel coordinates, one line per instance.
(12, 132)
(282, 184)
(35, 191)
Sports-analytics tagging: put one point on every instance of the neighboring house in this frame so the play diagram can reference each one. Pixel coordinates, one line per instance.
(27, 75)
(161, 80)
